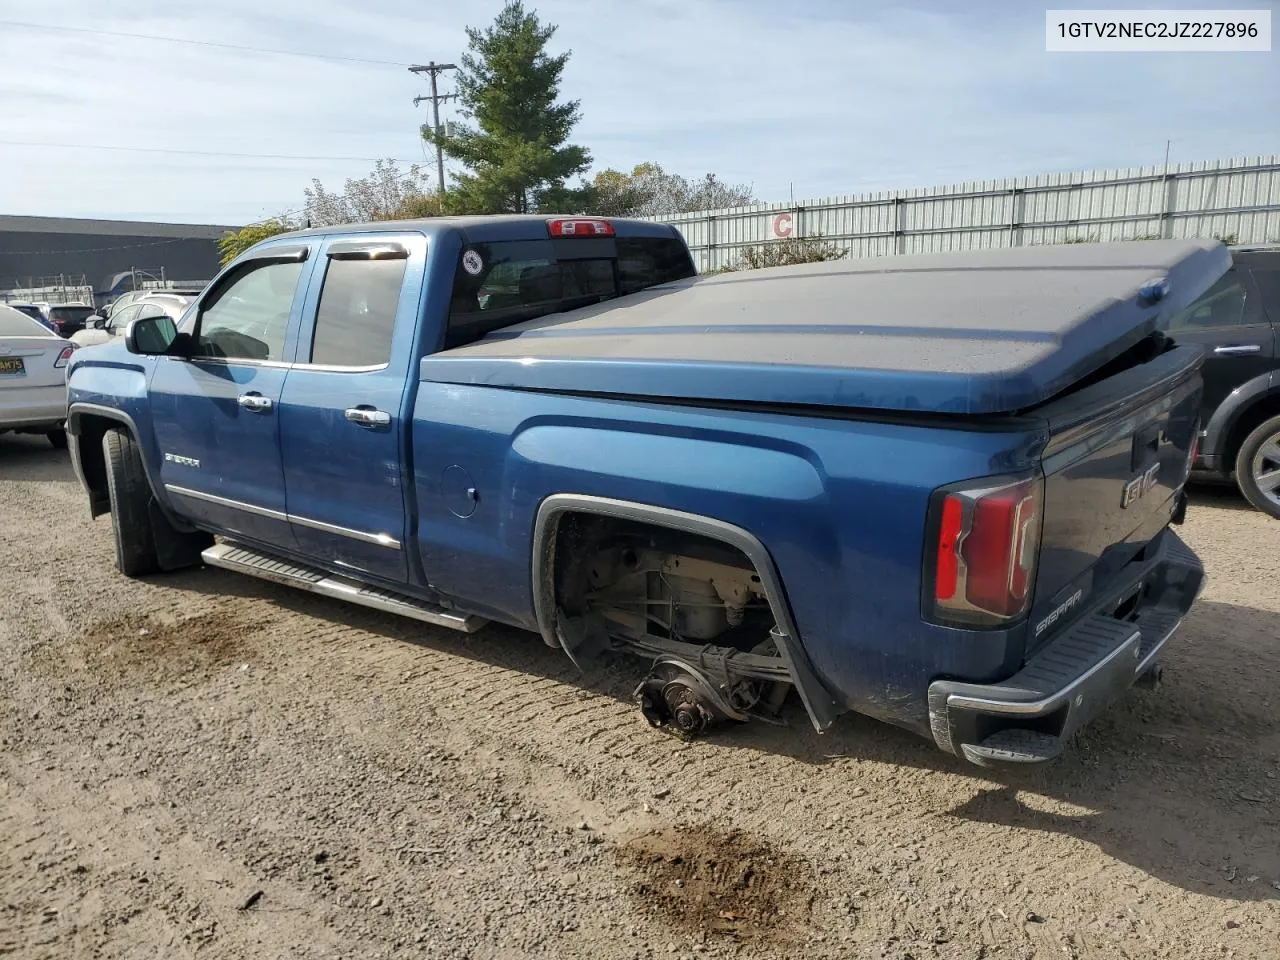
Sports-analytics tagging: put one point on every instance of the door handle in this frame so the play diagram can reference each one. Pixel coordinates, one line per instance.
(254, 401)
(1237, 349)
(368, 417)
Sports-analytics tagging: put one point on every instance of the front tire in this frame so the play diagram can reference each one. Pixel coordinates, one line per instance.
(1258, 467)
(130, 496)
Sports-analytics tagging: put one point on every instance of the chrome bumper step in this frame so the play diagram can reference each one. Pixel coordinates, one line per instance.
(230, 556)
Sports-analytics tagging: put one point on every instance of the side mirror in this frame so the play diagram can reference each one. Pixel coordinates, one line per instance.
(97, 321)
(151, 336)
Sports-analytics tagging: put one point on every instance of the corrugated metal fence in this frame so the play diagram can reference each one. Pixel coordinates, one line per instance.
(1239, 197)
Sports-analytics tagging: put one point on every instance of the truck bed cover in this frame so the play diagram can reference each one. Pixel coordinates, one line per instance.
(974, 332)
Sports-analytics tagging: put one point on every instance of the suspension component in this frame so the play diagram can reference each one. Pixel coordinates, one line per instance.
(680, 696)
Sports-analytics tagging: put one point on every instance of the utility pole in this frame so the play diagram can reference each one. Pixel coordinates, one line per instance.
(434, 70)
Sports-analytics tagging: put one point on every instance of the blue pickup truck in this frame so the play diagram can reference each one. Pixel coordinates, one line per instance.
(933, 489)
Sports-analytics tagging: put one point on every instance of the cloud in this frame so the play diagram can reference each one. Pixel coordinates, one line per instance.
(821, 97)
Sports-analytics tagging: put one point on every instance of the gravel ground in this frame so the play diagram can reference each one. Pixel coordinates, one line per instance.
(208, 765)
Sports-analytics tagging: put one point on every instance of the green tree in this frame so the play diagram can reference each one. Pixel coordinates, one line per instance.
(517, 155)
(235, 242)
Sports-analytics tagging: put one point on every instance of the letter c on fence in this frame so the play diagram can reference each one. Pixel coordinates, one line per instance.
(782, 226)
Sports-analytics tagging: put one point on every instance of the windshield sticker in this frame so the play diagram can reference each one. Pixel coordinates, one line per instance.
(473, 263)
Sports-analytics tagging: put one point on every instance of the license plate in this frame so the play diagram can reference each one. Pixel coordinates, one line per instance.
(13, 366)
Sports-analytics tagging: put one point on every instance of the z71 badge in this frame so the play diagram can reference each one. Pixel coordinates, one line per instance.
(1140, 485)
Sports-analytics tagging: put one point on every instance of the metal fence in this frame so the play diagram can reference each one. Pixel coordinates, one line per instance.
(1237, 198)
(60, 288)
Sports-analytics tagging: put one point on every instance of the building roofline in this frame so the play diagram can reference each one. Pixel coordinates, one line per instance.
(116, 228)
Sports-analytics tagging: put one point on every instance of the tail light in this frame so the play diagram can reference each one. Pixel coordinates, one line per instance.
(580, 227)
(65, 355)
(984, 544)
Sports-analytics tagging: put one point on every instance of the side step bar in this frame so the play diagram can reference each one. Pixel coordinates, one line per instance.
(230, 556)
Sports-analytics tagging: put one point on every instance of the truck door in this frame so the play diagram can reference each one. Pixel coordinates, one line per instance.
(216, 413)
(1228, 321)
(342, 417)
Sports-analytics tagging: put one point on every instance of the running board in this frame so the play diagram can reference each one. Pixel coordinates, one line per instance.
(230, 556)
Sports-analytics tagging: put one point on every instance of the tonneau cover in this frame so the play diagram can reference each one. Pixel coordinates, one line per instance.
(974, 332)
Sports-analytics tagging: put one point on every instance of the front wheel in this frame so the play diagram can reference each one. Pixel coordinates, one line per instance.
(1258, 467)
(130, 499)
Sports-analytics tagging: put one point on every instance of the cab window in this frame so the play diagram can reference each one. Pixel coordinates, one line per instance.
(357, 312)
(247, 317)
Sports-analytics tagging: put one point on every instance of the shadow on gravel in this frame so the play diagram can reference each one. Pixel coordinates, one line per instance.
(1224, 495)
(1179, 783)
(30, 459)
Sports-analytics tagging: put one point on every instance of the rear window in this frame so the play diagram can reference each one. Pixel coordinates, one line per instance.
(508, 282)
(70, 313)
(14, 323)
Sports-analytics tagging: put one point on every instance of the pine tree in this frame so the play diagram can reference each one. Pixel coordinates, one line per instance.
(517, 156)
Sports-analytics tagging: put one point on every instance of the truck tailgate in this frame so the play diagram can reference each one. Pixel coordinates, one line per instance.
(1118, 454)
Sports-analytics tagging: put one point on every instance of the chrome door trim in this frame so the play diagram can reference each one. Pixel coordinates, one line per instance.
(227, 502)
(339, 368)
(235, 362)
(1237, 349)
(381, 539)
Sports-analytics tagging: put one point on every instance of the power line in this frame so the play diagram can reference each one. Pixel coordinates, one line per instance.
(193, 153)
(199, 43)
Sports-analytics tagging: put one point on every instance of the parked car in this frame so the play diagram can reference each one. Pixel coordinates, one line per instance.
(33, 377)
(935, 489)
(133, 296)
(1236, 322)
(33, 311)
(152, 305)
(67, 318)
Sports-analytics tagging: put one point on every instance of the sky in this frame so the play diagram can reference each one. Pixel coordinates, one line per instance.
(803, 99)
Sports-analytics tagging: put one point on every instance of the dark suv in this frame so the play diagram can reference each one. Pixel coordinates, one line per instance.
(1237, 322)
(68, 318)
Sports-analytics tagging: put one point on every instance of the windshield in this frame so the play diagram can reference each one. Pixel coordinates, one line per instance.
(507, 282)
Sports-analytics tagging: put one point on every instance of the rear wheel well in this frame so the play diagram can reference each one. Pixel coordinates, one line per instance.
(695, 603)
(1264, 408)
(728, 569)
(582, 540)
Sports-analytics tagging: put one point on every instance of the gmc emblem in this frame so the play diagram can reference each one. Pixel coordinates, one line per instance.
(1138, 487)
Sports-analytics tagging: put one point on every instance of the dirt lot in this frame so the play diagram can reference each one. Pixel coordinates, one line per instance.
(207, 765)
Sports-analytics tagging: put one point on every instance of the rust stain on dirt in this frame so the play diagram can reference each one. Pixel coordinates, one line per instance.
(726, 883)
(134, 645)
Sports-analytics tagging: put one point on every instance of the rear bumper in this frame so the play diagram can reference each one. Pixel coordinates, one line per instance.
(33, 407)
(1029, 717)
